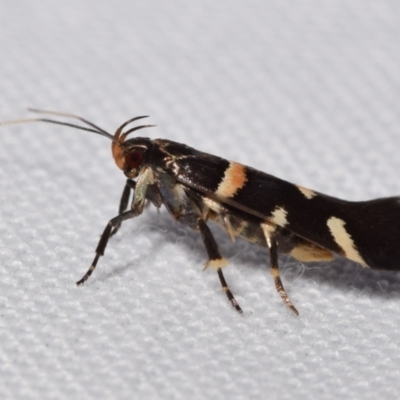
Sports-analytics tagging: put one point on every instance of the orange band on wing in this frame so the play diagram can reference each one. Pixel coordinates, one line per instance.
(234, 179)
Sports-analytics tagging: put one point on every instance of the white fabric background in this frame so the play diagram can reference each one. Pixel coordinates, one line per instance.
(308, 91)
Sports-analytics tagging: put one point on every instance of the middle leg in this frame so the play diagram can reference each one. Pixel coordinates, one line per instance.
(216, 261)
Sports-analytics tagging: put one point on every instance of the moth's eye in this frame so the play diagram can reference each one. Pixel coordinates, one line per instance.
(134, 159)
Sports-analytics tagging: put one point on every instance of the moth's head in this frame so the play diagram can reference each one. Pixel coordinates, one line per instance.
(132, 155)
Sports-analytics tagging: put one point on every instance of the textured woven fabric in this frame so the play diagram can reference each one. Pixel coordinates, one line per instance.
(308, 91)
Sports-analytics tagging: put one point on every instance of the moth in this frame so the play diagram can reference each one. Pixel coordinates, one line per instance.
(196, 187)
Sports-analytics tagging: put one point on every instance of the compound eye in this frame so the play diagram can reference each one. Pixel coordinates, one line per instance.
(134, 159)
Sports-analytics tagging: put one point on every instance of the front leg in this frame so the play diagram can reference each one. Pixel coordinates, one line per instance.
(144, 181)
(101, 247)
(123, 204)
(152, 196)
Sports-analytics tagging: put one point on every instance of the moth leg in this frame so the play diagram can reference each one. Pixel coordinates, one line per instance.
(216, 260)
(139, 197)
(105, 236)
(123, 204)
(273, 251)
(152, 196)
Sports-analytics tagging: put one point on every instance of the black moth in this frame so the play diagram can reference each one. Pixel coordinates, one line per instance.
(196, 187)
